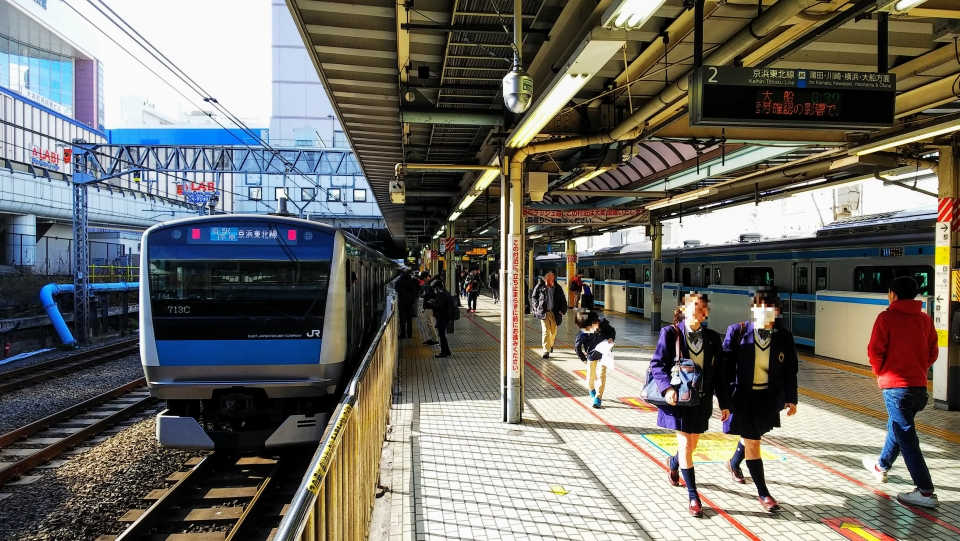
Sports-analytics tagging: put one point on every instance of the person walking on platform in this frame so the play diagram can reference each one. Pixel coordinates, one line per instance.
(902, 349)
(441, 302)
(426, 291)
(548, 304)
(472, 286)
(760, 367)
(576, 287)
(705, 348)
(408, 289)
(495, 286)
(593, 345)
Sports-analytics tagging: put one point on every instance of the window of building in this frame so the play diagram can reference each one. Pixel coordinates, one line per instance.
(43, 76)
(360, 196)
(753, 276)
(303, 143)
(256, 194)
(333, 194)
(307, 194)
(281, 192)
(876, 278)
(340, 140)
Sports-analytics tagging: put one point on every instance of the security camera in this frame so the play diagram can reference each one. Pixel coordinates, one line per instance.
(517, 90)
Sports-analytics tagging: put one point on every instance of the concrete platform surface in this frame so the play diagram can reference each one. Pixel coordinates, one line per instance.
(571, 472)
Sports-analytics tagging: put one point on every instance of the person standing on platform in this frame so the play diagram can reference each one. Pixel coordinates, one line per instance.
(590, 347)
(495, 286)
(426, 291)
(705, 348)
(441, 302)
(760, 366)
(472, 286)
(408, 289)
(902, 349)
(576, 287)
(548, 304)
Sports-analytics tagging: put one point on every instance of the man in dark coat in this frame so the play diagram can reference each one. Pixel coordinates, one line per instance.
(438, 299)
(408, 289)
(548, 303)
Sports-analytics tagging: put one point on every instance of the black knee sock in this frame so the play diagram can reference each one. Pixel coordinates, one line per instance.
(737, 456)
(673, 463)
(756, 471)
(690, 478)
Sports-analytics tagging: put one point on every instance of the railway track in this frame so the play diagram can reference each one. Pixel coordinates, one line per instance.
(220, 498)
(43, 440)
(18, 378)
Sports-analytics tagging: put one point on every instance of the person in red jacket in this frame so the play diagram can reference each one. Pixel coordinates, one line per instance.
(902, 349)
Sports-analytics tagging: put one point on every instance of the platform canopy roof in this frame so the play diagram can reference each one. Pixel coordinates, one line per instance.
(419, 82)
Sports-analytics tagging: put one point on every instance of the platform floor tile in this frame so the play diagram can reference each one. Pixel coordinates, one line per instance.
(573, 472)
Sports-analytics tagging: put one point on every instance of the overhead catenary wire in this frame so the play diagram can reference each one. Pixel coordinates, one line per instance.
(158, 56)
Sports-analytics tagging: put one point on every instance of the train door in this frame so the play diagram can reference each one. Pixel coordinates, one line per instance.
(707, 274)
(686, 279)
(802, 303)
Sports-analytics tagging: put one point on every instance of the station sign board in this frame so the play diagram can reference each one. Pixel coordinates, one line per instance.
(601, 216)
(791, 98)
(477, 251)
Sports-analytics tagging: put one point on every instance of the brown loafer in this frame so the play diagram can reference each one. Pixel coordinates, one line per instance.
(736, 473)
(673, 476)
(769, 504)
(696, 509)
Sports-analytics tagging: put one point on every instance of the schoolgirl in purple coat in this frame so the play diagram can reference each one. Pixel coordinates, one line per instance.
(704, 347)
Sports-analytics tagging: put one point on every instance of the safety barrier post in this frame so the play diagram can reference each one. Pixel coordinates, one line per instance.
(336, 498)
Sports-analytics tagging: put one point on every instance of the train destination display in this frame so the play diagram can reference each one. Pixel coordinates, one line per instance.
(791, 98)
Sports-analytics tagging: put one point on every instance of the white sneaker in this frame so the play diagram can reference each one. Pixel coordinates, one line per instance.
(874, 468)
(918, 499)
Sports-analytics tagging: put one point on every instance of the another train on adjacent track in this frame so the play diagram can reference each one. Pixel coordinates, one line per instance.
(250, 326)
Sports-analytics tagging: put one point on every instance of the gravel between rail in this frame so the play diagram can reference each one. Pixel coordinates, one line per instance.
(59, 353)
(37, 401)
(84, 498)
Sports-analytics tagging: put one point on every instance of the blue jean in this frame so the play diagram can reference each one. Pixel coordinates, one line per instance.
(902, 406)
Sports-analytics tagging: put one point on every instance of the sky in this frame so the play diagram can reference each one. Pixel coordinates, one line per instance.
(224, 45)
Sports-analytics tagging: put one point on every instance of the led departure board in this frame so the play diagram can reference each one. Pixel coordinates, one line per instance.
(791, 98)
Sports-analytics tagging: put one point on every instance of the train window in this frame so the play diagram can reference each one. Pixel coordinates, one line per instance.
(348, 274)
(591, 273)
(876, 279)
(716, 275)
(803, 279)
(668, 275)
(686, 277)
(707, 274)
(753, 276)
(821, 277)
(629, 275)
(608, 272)
(646, 274)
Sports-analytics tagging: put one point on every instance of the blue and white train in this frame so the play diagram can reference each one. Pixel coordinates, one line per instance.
(251, 325)
(832, 285)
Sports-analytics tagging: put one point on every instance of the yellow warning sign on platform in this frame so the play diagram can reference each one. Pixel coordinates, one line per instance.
(581, 373)
(942, 255)
(637, 403)
(855, 530)
(559, 490)
(711, 448)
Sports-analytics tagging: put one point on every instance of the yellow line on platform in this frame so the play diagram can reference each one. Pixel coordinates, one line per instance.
(850, 369)
(931, 430)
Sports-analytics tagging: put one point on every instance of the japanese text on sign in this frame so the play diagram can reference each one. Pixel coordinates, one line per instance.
(588, 216)
(516, 308)
(787, 103)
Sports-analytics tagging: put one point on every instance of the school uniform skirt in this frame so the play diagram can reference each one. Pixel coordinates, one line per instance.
(753, 416)
(689, 419)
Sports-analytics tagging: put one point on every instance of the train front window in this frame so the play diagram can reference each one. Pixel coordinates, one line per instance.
(876, 279)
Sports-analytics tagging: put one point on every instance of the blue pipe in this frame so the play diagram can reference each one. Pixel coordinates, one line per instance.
(49, 291)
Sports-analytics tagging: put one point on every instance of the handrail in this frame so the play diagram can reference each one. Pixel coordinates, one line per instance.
(306, 517)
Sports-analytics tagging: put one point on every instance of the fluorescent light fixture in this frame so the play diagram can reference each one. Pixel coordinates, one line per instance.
(575, 227)
(442, 229)
(586, 178)
(485, 180)
(532, 237)
(911, 174)
(904, 5)
(629, 14)
(467, 201)
(912, 137)
(453, 217)
(682, 198)
(590, 57)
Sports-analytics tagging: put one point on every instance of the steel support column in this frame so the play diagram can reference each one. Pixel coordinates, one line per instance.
(81, 261)
(946, 371)
(657, 285)
(451, 260)
(571, 270)
(513, 301)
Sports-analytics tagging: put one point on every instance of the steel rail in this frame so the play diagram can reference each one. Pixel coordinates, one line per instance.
(43, 455)
(12, 380)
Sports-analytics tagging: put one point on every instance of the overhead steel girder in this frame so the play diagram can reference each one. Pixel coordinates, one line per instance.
(610, 193)
(451, 116)
(114, 159)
